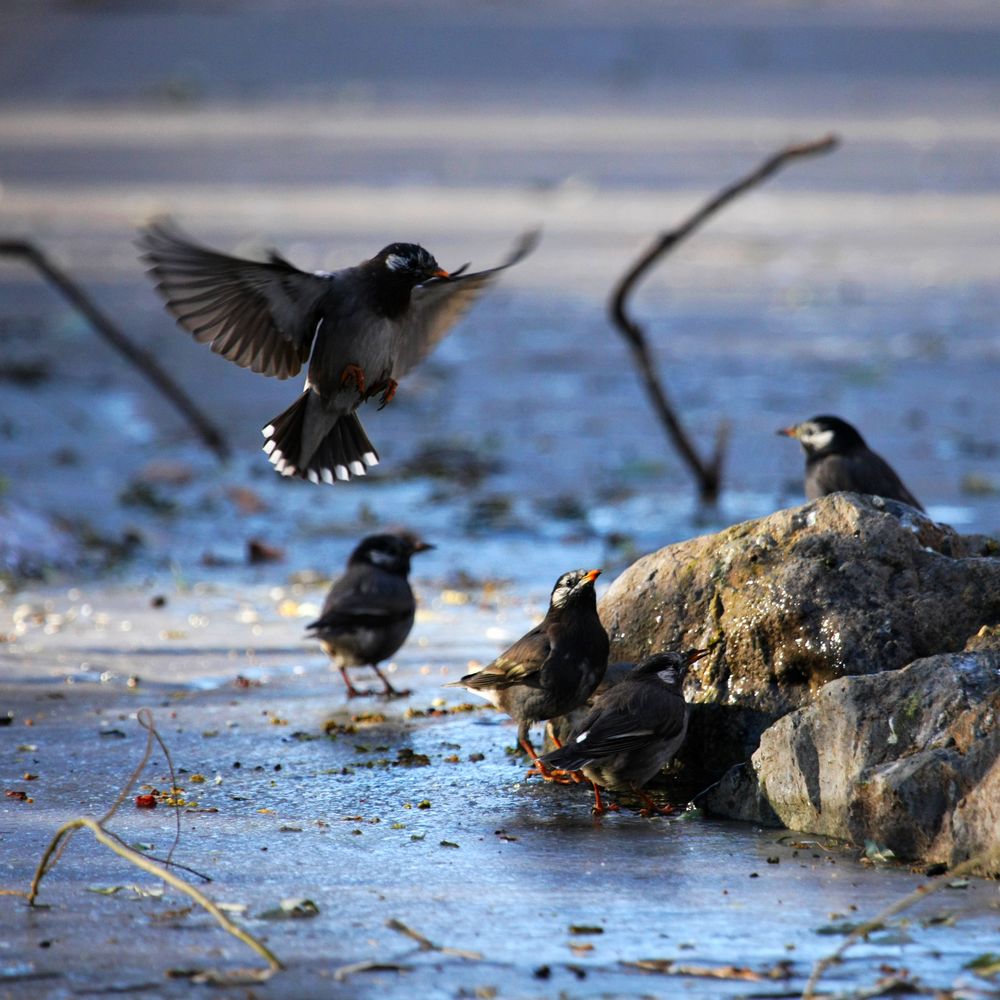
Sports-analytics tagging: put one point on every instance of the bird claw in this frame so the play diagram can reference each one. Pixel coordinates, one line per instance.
(391, 692)
(387, 387)
(651, 808)
(353, 692)
(355, 374)
(558, 777)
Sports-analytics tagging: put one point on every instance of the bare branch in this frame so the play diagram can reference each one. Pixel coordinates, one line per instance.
(707, 473)
(863, 930)
(142, 360)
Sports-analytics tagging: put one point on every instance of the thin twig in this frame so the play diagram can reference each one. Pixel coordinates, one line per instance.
(426, 944)
(922, 891)
(707, 473)
(141, 861)
(142, 359)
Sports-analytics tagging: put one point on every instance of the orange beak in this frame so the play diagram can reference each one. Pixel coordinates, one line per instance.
(440, 273)
(694, 655)
(792, 432)
(591, 576)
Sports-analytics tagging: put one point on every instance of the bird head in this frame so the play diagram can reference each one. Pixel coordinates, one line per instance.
(390, 551)
(409, 263)
(671, 667)
(824, 434)
(573, 582)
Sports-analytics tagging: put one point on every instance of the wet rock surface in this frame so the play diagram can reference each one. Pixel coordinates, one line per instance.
(842, 586)
(907, 758)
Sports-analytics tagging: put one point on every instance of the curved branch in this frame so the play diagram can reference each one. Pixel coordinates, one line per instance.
(142, 359)
(707, 473)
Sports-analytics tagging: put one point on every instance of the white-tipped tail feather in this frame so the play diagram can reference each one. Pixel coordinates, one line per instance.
(342, 452)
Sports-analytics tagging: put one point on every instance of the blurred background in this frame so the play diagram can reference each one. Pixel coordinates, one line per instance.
(863, 283)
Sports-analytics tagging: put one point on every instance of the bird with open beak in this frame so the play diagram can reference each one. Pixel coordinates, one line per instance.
(361, 329)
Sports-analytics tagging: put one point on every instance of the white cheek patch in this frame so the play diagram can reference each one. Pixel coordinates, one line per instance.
(668, 676)
(817, 439)
(380, 558)
(396, 263)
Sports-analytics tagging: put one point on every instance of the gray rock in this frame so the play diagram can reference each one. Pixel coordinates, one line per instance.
(844, 585)
(737, 795)
(908, 758)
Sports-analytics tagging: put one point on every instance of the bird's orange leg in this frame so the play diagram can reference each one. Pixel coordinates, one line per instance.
(390, 691)
(651, 807)
(352, 691)
(388, 393)
(355, 374)
(559, 777)
(599, 807)
(575, 776)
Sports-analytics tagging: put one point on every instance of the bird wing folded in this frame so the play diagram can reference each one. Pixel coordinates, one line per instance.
(436, 306)
(520, 664)
(353, 604)
(862, 471)
(261, 316)
(628, 717)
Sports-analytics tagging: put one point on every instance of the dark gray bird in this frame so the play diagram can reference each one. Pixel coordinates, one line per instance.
(553, 668)
(360, 328)
(837, 458)
(560, 728)
(634, 728)
(369, 611)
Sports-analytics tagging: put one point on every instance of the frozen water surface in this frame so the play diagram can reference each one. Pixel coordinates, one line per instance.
(862, 284)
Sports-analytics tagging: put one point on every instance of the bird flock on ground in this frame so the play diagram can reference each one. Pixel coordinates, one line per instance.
(361, 329)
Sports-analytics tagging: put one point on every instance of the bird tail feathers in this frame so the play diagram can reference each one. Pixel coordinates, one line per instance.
(567, 758)
(343, 451)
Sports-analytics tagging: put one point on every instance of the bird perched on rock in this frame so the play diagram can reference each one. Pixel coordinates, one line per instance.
(360, 328)
(634, 728)
(369, 611)
(553, 668)
(837, 458)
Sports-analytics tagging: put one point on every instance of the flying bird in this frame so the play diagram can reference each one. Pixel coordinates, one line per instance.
(837, 458)
(360, 328)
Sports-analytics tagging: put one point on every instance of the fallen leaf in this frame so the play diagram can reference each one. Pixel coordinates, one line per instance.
(847, 927)
(245, 500)
(260, 552)
(291, 909)
(986, 965)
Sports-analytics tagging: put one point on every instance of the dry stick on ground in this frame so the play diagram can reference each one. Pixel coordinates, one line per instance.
(142, 360)
(707, 473)
(56, 846)
(921, 892)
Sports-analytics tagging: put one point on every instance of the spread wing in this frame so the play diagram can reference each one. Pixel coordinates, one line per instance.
(862, 472)
(436, 306)
(261, 316)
